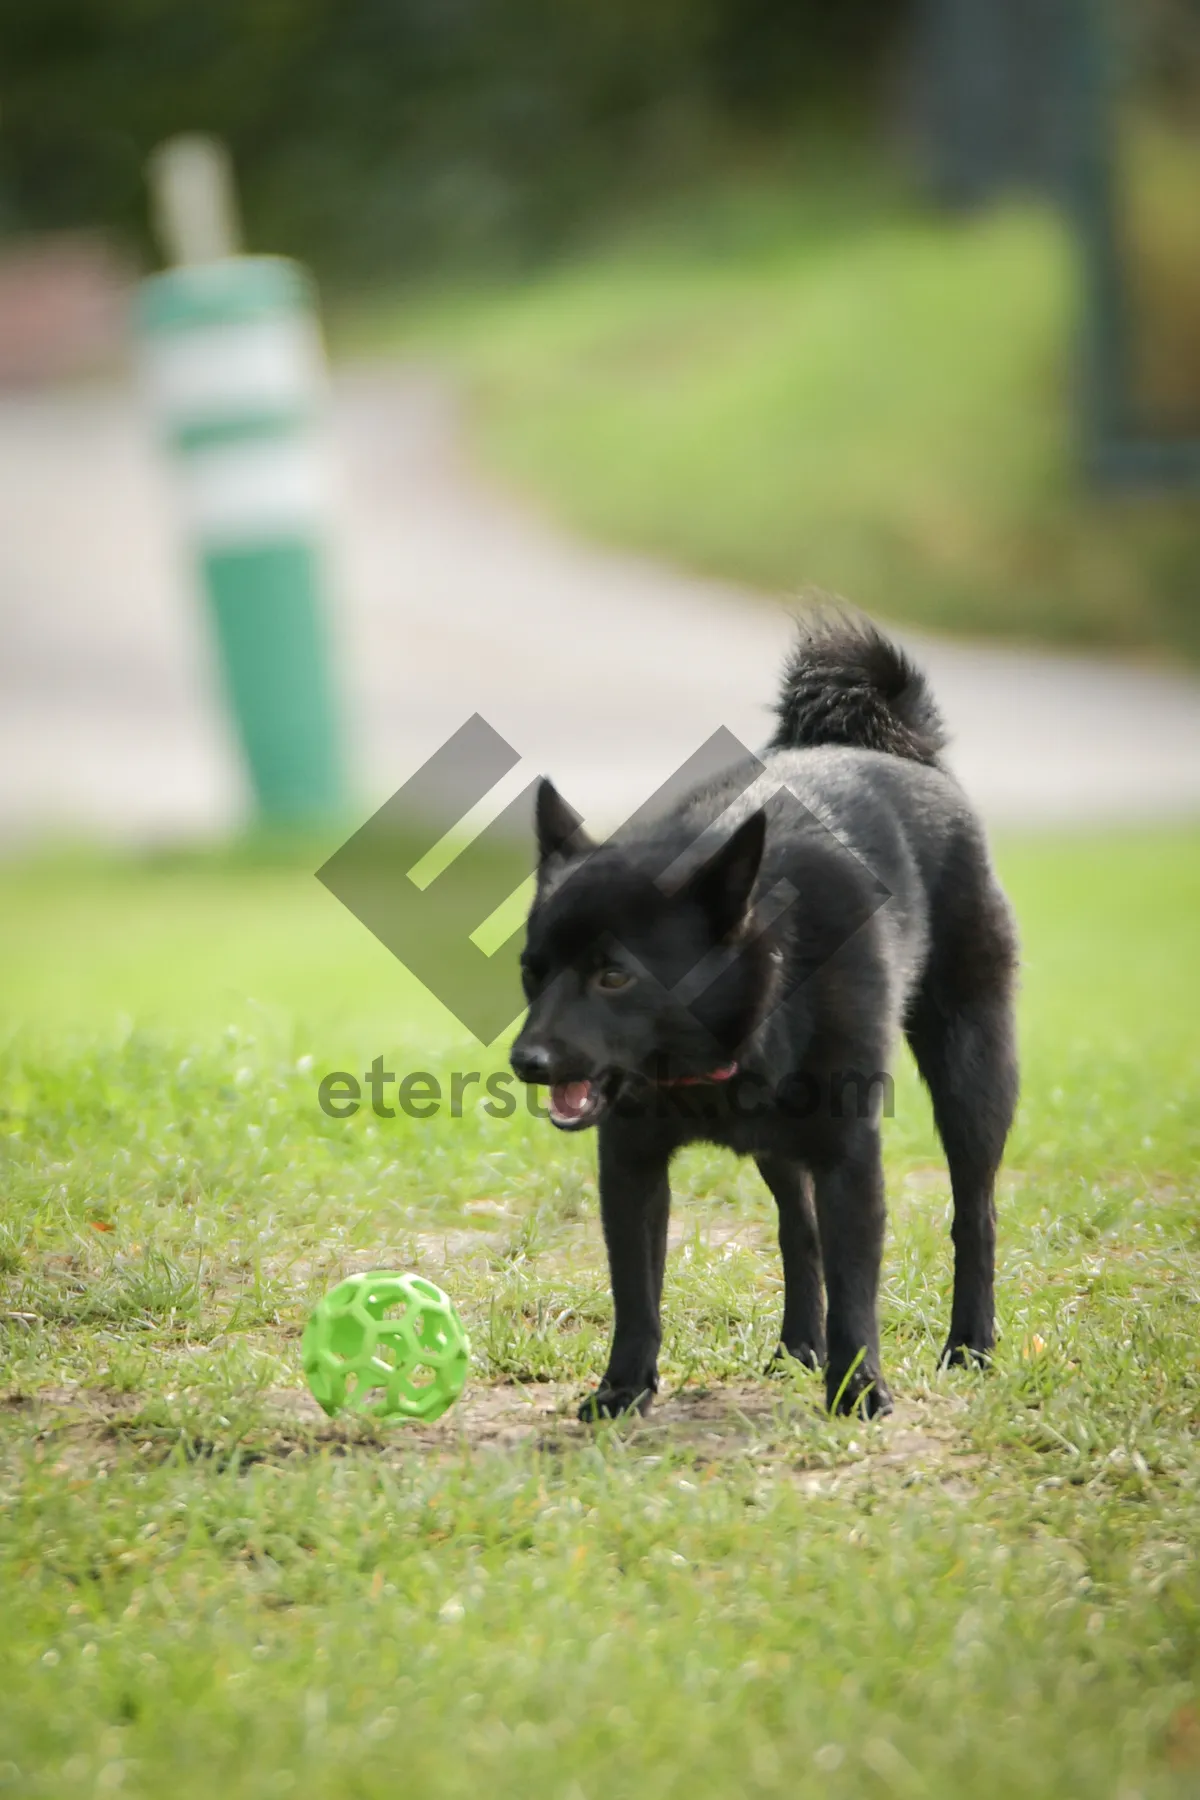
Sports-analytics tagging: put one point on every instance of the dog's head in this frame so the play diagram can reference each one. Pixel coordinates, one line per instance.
(632, 979)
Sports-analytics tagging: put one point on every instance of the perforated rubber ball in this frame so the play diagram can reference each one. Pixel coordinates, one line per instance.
(386, 1345)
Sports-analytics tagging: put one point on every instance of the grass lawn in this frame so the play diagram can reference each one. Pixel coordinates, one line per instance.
(821, 386)
(209, 1588)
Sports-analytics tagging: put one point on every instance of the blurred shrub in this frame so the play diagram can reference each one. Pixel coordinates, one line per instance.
(374, 135)
(1160, 218)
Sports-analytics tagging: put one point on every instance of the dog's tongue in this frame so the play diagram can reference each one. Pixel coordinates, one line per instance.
(570, 1098)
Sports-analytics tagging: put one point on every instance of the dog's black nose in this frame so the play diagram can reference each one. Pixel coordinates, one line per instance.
(531, 1062)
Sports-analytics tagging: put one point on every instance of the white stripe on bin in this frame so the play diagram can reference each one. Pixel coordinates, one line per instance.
(223, 371)
(249, 492)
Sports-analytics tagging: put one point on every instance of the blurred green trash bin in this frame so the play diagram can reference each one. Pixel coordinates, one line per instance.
(235, 372)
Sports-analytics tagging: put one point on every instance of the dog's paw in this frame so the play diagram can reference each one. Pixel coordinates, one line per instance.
(615, 1402)
(809, 1355)
(863, 1391)
(960, 1354)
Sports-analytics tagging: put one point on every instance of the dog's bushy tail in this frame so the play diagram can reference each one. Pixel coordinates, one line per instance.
(845, 683)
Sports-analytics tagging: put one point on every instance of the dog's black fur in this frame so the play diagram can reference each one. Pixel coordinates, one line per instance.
(677, 991)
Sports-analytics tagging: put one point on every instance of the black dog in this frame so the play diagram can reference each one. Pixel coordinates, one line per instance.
(742, 993)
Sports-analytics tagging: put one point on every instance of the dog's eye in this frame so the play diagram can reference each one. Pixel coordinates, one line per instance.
(612, 978)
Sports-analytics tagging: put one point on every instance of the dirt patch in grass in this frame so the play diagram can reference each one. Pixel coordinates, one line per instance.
(84, 1430)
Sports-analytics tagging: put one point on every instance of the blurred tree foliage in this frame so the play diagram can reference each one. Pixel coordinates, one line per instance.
(371, 135)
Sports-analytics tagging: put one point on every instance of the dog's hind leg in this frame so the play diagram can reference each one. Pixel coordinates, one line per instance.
(803, 1331)
(967, 1058)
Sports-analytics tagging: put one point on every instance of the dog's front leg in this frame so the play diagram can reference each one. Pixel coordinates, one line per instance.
(635, 1202)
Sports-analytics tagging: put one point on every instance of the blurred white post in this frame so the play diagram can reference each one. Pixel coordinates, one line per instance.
(193, 198)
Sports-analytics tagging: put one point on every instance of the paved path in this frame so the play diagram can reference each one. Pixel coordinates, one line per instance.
(604, 669)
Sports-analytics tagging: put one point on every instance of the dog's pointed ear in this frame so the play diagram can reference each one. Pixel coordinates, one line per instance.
(559, 831)
(723, 885)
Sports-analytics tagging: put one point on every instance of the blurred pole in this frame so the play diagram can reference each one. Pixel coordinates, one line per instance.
(1119, 448)
(236, 378)
(1106, 375)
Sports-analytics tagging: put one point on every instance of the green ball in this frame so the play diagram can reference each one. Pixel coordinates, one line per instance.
(386, 1345)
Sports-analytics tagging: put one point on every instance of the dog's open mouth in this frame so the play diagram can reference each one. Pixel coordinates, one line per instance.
(576, 1104)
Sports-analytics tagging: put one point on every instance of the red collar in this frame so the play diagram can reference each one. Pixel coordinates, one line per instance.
(726, 1073)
